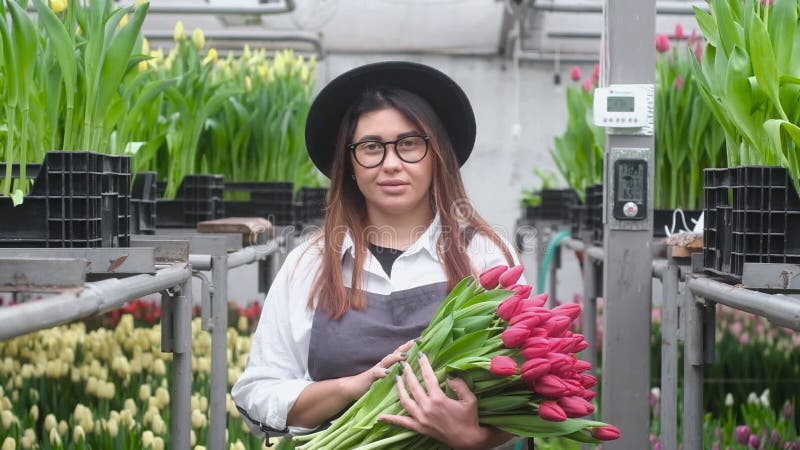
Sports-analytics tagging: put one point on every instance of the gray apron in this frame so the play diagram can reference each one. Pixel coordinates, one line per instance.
(360, 339)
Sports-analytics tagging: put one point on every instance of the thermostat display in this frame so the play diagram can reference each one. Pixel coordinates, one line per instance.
(625, 108)
(630, 189)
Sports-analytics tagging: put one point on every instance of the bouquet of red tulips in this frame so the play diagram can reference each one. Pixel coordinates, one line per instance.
(516, 355)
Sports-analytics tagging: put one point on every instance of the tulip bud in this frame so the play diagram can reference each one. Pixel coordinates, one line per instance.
(571, 310)
(606, 433)
(575, 407)
(510, 276)
(575, 73)
(9, 444)
(579, 346)
(679, 32)
(490, 278)
(587, 395)
(515, 336)
(526, 320)
(535, 347)
(581, 365)
(509, 307)
(551, 386)
(742, 434)
(662, 43)
(538, 332)
(588, 380)
(588, 86)
(523, 290)
(535, 368)
(753, 442)
(559, 345)
(549, 410)
(556, 325)
(178, 32)
(596, 73)
(529, 307)
(198, 39)
(503, 366)
(58, 6)
(699, 47)
(124, 21)
(540, 299)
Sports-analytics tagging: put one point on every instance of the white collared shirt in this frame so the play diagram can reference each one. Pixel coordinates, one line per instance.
(277, 369)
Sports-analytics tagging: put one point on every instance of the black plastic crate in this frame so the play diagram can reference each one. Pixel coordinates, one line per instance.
(555, 205)
(312, 201)
(577, 215)
(143, 203)
(752, 216)
(199, 198)
(78, 199)
(594, 213)
(268, 199)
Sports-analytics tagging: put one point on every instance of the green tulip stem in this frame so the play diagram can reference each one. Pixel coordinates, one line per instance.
(390, 440)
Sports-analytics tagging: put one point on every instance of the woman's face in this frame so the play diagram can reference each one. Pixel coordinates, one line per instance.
(395, 186)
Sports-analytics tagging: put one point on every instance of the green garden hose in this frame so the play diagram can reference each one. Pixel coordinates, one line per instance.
(547, 261)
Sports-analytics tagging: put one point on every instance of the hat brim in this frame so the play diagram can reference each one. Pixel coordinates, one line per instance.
(445, 96)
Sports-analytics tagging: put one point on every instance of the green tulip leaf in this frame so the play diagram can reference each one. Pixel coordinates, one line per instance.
(763, 61)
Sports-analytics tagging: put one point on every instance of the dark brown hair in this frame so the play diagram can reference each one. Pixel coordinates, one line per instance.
(346, 209)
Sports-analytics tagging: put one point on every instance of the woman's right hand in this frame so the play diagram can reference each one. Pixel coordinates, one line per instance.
(358, 385)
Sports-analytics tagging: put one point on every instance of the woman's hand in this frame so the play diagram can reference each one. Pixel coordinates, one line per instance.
(358, 385)
(431, 412)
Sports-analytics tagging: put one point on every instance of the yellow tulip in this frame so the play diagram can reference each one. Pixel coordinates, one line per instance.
(63, 428)
(179, 33)
(78, 434)
(123, 21)
(34, 413)
(9, 444)
(158, 443)
(49, 422)
(198, 38)
(58, 6)
(147, 438)
(7, 418)
(55, 438)
(211, 57)
(248, 86)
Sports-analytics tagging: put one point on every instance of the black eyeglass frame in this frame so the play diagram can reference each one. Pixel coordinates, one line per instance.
(352, 148)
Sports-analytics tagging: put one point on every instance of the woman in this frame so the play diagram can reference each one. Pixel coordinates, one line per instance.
(391, 136)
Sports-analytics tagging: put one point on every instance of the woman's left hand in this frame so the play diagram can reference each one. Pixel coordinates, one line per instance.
(431, 412)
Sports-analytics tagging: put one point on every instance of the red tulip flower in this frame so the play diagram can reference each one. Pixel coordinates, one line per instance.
(503, 366)
(549, 410)
(511, 275)
(515, 336)
(662, 43)
(490, 278)
(575, 73)
(606, 433)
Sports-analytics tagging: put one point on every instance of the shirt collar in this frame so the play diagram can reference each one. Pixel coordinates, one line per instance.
(427, 241)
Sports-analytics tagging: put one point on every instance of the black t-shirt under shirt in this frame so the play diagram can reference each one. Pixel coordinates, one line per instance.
(386, 256)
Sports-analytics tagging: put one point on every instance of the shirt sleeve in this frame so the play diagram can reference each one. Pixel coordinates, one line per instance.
(276, 371)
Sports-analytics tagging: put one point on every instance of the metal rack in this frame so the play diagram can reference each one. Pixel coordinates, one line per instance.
(164, 264)
(689, 318)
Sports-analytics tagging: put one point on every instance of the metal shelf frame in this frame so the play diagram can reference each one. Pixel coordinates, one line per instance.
(164, 264)
(689, 318)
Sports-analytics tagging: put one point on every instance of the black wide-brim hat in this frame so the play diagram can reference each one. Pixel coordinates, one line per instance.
(445, 96)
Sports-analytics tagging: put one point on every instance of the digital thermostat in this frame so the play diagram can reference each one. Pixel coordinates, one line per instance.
(630, 189)
(624, 108)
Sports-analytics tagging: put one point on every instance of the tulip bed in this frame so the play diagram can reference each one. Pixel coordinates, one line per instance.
(71, 387)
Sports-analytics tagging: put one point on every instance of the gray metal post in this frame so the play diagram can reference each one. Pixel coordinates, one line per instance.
(693, 372)
(629, 27)
(552, 279)
(669, 358)
(181, 393)
(219, 347)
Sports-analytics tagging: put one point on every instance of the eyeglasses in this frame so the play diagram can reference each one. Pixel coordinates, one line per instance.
(410, 149)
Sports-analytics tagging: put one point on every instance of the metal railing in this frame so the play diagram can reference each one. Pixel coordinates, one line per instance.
(689, 317)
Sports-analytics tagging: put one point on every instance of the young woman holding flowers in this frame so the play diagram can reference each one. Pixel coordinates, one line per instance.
(398, 235)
